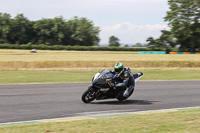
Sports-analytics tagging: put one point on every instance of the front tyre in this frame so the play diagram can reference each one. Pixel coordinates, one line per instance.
(88, 96)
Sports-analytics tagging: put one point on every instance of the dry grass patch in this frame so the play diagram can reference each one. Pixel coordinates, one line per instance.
(19, 59)
(47, 55)
(95, 64)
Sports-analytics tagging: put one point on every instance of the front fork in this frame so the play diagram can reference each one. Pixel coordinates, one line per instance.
(95, 91)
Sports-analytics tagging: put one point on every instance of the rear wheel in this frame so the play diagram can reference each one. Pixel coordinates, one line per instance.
(88, 96)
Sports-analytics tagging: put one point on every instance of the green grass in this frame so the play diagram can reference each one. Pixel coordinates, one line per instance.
(56, 76)
(168, 122)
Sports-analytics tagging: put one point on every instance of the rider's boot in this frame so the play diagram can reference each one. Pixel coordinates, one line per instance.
(128, 91)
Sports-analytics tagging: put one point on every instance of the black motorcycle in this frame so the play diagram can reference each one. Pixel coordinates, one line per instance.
(103, 87)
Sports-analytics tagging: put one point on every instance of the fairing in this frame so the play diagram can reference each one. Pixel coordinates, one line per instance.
(100, 79)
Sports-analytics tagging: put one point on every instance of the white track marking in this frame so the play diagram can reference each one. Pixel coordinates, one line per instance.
(106, 112)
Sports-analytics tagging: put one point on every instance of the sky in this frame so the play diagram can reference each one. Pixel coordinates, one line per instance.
(132, 21)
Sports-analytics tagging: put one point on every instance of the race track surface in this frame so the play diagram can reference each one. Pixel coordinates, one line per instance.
(45, 101)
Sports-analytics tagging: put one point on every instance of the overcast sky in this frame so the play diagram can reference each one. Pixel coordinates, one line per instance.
(131, 21)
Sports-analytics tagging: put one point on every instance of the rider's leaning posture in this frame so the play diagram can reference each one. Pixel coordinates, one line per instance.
(125, 78)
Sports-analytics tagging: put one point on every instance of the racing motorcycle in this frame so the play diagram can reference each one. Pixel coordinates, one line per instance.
(102, 87)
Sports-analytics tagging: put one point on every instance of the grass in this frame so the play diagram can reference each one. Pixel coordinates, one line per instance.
(20, 59)
(173, 122)
(168, 122)
(47, 55)
(55, 76)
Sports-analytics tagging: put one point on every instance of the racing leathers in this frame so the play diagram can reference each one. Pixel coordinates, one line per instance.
(126, 80)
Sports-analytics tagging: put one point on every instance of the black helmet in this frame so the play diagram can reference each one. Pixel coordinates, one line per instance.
(118, 68)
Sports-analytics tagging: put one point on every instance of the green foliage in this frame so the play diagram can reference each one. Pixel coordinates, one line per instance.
(155, 43)
(184, 20)
(21, 30)
(166, 41)
(57, 31)
(82, 32)
(5, 27)
(114, 41)
(138, 45)
(68, 47)
(151, 42)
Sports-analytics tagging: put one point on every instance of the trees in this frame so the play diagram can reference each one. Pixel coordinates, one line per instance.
(57, 31)
(151, 42)
(5, 27)
(184, 20)
(50, 31)
(155, 43)
(77, 31)
(138, 45)
(15, 31)
(166, 40)
(21, 30)
(82, 32)
(114, 41)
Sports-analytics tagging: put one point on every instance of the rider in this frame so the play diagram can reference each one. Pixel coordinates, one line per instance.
(125, 77)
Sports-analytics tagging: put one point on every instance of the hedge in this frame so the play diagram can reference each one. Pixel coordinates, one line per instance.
(75, 48)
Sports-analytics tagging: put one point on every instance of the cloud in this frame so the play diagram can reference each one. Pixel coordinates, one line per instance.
(131, 33)
(130, 20)
(88, 8)
(129, 26)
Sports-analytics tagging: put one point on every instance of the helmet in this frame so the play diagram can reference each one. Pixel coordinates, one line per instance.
(118, 68)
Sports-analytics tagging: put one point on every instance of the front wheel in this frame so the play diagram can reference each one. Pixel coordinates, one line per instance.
(88, 96)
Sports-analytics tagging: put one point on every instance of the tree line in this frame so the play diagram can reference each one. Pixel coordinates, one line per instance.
(184, 23)
(183, 17)
(56, 31)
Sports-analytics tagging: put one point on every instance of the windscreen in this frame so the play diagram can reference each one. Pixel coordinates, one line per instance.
(105, 74)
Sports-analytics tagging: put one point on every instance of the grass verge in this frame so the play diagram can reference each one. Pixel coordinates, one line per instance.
(187, 121)
(58, 76)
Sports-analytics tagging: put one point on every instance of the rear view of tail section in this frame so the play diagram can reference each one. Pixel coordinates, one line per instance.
(137, 76)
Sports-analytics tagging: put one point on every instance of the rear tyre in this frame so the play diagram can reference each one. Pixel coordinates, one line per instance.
(88, 96)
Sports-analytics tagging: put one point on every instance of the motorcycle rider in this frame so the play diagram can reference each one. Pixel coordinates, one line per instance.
(125, 78)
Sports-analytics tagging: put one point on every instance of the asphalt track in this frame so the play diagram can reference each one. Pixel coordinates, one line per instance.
(27, 102)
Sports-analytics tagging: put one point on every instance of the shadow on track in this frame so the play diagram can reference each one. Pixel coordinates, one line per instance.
(136, 102)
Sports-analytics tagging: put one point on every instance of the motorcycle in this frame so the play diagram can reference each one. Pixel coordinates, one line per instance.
(103, 87)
